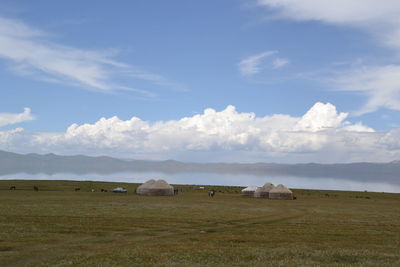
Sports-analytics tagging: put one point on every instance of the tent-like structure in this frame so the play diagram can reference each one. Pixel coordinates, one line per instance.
(155, 188)
(263, 191)
(280, 192)
(249, 191)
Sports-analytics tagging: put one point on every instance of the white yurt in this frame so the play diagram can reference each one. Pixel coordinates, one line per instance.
(155, 188)
(263, 192)
(280, 192)
(249, 191)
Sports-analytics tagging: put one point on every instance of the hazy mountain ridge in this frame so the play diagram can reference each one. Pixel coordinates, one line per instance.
(12, 163)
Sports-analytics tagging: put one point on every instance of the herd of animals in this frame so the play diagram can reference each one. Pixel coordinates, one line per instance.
(211, 193)
(35, 188)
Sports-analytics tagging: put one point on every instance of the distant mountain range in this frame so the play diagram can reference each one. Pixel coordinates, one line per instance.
(13, 163)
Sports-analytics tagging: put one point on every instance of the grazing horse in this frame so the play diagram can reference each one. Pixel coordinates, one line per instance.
(211, 193)
(13, 187)
(36, 188)
(77, 189)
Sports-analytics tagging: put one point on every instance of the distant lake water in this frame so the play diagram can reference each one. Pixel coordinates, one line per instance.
(220, 179)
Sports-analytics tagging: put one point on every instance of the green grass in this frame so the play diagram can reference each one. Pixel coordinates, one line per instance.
(57, 226)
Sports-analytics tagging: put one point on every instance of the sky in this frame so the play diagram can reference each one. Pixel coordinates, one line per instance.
(288, 81)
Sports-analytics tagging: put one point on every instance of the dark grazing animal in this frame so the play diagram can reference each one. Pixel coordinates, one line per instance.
(36, 188)
(13, 187)
(211, 193)
(176, 191)
(77, 189)
(104, 190)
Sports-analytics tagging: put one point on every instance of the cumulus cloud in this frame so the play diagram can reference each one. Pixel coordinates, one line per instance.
(322, 134)
(31, 53)
(391, 140)
(380, 19)
(320, 117)
(226, 130)
(13, 118)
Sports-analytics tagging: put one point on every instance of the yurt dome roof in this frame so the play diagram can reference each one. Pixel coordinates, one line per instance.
(250, 188)
(160, 184)
(155, 185)
(280, 189)
(268, 186)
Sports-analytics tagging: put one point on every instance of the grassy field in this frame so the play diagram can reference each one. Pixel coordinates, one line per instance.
(57, 226)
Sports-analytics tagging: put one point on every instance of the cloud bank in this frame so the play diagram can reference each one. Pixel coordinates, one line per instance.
(380, 19)
(322, 134)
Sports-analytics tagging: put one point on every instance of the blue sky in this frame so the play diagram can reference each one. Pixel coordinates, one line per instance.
(76, 62)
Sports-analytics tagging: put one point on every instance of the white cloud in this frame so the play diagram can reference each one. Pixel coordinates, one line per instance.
(381, 19)
(370, 15)
(280, 63)
(13, 118)
(322, 134)
(321, 117)
(391, 140)
(31, 53)
(380, 83)
(251, 65)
